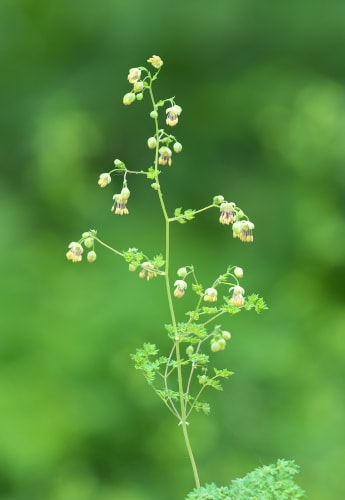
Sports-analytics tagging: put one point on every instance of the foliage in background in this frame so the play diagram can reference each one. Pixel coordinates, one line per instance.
(270, 78)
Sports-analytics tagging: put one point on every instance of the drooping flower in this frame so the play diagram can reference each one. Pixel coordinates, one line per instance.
(75, 252)
(211, 295)
(180, 288)
(243, 230)
(120, 202)
(165, 154)
(104, 180)
(237, 298)
(134, 75)
(156, 61)
(227, 213)
(172, 115)
(147, 271)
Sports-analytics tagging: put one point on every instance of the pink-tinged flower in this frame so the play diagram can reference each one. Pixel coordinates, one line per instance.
(172, 115)
(165, 154)
(120, 202)
(156, 62)
(237, 298)
(211, 295)
(227, 213)
(134, 75)
(243, 230)
(104, 180)
(75, 252)
(147, 271)
(180, 288)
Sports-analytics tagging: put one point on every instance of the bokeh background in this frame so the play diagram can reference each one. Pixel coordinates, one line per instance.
(262, 87)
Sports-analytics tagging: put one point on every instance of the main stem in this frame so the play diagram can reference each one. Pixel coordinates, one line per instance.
(183, 422)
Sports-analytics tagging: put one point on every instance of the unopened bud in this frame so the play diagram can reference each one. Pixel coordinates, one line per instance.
(91, 256)
(215, 347)
(238, 272)
(217, 200)
(177, 147)
(138, 87)
(154, 114)
(88, 242)
(125, 193)
(128, 98)
(189, 350)
(152, 142)
(182, 272)
(226, 335)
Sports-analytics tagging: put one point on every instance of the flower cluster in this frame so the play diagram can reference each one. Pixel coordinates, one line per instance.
(230, 214)
(243, 230)
(148, 271)
(139, 85)
(218, 342)
(76, 250)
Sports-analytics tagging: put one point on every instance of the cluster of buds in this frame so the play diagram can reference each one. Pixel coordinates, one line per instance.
(243, 230)
(134, 76)
(75, 249)
(147, 271)
(218, 342)
(237, 298)
(120, 202)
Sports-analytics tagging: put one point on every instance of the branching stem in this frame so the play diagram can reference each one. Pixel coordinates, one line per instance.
(183, 411)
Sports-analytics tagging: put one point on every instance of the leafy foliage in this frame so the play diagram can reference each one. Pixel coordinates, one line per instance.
(270, 482)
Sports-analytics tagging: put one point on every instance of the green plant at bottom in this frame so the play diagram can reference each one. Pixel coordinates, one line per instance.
(181, 377)
(270, 482)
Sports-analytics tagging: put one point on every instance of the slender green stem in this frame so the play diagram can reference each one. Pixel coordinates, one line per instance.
(108, 246)
(183, 412)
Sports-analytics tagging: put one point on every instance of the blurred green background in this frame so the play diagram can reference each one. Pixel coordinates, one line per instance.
(262, 87)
